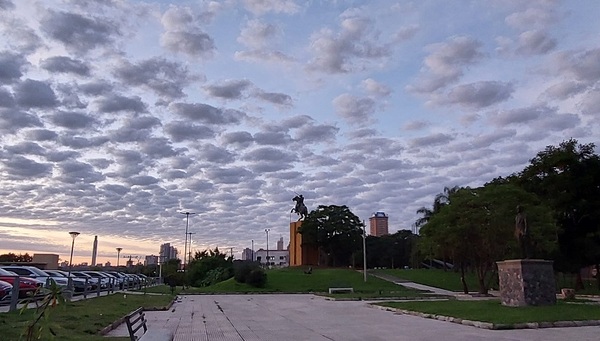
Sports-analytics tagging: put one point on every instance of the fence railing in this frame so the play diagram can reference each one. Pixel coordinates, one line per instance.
(91, 288)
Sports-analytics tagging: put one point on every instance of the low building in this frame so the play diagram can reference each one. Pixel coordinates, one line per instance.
(277, 258)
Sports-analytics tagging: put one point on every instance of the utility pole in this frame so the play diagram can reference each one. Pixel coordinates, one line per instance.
(190, 249)
(253, 250)
(364, 252)
(231, 250)
(268, 261)
(187, 222)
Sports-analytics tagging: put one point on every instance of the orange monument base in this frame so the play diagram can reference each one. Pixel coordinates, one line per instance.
(301, 254)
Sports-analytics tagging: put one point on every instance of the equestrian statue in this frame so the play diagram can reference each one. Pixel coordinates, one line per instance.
(300, 208)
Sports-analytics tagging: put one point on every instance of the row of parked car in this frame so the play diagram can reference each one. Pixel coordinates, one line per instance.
(31, 279)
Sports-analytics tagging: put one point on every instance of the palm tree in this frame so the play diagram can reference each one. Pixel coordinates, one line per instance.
(441, 200)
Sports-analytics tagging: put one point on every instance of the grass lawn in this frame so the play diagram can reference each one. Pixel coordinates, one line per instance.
(81, 320)
(494, 312)
(448, 280)
(294, 280)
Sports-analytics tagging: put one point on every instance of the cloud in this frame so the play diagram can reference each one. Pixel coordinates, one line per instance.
(580, 65)
(78, 172)
(375, 88)
(353, 109)
(260, 7)
(184, 34)
(19, 167)
(257, 34)
(238, 139)
(350, 49)
(182, 131)
(431, 140)
(480, 94)
(228, 89)
(6, 5)
(207, 114)
(11, 66)
(278, 99)
(165, 77)
(590, 105)
(444, 65)
(11, 120)
(62, 64)
(35, 94)
(415, 125)
(516, 116)
(73, 120)
(79, 33)
(115, 103)
(534, 42)
(6, 99)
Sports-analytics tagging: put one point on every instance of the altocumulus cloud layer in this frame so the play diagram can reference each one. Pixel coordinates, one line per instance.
(116, 115)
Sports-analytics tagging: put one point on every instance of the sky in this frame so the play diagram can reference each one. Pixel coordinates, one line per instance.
(116, 116)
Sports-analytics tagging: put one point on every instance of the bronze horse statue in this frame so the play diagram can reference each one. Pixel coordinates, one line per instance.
(300, 208)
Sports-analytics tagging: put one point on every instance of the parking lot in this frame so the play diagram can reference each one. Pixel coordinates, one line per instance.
(314, 318)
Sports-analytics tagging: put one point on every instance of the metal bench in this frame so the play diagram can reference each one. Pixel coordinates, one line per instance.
(340, 290)
(138, 328)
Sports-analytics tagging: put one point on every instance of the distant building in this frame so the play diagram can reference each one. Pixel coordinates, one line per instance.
(151, 260)
(378, 223)
(247, 254)
(277, 258)
(280, 244)
(167, 252)
(94, 250)
(51, 260)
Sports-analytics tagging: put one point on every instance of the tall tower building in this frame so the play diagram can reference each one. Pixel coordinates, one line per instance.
(280, 244)
(94, 250)
(167, 252)
(378, 223)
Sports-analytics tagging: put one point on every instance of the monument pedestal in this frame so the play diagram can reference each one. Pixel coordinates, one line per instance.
(526, 282)
(300, 252)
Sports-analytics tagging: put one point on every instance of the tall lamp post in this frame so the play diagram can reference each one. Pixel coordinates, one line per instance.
(364, 252)
(190, 249)
(267, 231)
(187, 223)
(69, 280)
(118, 255)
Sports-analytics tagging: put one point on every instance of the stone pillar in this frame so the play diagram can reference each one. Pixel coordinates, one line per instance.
(526, 282)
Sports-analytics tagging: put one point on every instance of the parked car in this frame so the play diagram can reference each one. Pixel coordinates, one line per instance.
(27, 286)
(5, 291)
(79, 284)
(103, 278)
(93, 280)
(33, 272)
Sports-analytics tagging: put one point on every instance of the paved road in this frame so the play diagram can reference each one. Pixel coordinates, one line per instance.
(308, 317)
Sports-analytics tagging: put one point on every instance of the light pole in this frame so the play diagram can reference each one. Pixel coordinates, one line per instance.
(364, 253)
(118, 255)
(69, 280)
(187, 222)
(253, 250)
(267, 231)
(190, 249)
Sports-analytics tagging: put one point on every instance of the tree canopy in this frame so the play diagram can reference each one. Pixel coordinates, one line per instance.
(336, 231)
(476, 227)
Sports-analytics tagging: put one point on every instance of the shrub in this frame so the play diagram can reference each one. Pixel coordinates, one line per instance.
(243, 269)
(257, 278)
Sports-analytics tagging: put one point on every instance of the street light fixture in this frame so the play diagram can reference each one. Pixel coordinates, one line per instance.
(73, 235)
(187, 222)
(118, 255)
(267, 231)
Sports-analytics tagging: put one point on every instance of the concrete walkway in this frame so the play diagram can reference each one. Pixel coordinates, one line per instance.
(314, 318)
(413, 285)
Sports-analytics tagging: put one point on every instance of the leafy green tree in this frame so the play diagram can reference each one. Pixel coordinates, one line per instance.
(567, 178)
(391, 251)
(209, 267)
(441, 200)
(477, 228)
(336, 231)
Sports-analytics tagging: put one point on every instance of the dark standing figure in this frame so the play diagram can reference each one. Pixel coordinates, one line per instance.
(300, 208)
(522, 232)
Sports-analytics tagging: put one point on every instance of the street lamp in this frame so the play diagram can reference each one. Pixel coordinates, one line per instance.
(190, 249)
(364, 252)
(187, 222)
(118, 255)
(267, 231)
(73, 235)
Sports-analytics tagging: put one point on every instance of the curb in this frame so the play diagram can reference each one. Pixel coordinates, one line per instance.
(495, 326)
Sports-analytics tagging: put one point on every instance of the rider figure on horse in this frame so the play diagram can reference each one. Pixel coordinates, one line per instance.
(300, 208)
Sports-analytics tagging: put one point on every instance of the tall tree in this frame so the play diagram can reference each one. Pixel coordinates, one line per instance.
(567, 178)
(336, 231)
(441, 200)
(477, 228)
(11, 257)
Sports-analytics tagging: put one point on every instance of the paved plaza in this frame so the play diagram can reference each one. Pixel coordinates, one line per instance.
(308, 317)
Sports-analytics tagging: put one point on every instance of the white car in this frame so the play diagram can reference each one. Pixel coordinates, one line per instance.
(33, 272)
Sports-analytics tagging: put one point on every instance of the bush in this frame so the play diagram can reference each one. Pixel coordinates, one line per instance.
(214, 276)
(243, 269)
(257, 278)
